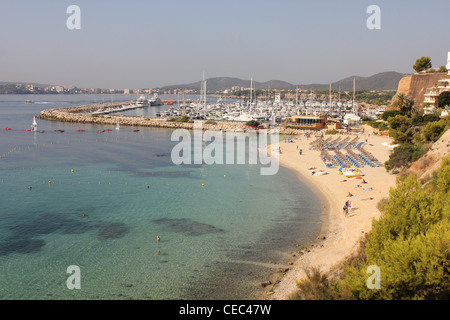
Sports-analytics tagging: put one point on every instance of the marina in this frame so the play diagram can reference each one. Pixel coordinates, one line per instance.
(270, 111)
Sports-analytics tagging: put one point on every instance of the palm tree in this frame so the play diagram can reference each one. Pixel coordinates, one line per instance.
(404, 105)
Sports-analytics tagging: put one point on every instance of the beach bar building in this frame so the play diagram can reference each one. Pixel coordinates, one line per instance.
(306, 122)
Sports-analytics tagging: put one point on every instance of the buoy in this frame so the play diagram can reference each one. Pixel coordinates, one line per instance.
(203, 185)
(224, 175)
(158, 238)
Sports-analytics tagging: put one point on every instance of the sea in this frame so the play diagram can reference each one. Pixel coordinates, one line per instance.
(82, 205)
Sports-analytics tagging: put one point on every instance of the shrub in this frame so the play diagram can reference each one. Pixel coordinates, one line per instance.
(433, 130)
(332, 131)
(252, 123)
(389, 113)
(409, 243)
(403, 155)
(184, 118)
(401, 128)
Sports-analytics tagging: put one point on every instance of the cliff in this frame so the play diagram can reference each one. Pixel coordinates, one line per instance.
(415, 85)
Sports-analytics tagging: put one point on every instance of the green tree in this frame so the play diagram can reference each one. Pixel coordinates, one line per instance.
(443, 99)
(403, 155)
(433, 130)
(442, 69)
(404, 105)
(409, 243)
(401, 128)
(389, 113)
(422, 64)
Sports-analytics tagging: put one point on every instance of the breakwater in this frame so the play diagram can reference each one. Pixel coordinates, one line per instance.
(83, 114)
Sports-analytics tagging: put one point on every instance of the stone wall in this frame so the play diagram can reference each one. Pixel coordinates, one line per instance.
(415, 85)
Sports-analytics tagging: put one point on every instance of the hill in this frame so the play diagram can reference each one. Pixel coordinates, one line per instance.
(222, 83)
(380, 81)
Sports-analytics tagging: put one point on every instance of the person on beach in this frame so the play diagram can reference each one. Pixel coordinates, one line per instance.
(345, 209)
(349, 195)
(349, 206)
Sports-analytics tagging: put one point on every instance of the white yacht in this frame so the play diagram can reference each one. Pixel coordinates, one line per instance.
(142, 101)
(155, 100)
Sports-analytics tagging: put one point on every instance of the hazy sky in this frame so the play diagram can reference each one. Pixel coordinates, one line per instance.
(145, 44)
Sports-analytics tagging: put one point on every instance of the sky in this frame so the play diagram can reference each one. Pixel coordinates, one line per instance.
(149, 44)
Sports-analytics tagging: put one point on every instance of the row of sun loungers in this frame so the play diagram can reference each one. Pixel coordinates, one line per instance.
(339, 159)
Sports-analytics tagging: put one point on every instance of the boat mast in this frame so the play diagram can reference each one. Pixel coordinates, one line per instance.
(203, 94)
(353, 101)
(331, 108)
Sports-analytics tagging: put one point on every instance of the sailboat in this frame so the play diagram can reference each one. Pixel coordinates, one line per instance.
(117, 126)
(34, 124)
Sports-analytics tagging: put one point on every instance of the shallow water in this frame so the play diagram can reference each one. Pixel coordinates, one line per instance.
(98, 201)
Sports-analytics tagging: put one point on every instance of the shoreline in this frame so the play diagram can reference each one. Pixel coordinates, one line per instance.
(339, 236)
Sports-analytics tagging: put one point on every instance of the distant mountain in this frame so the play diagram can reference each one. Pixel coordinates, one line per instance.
(222, 83)
(381, 81)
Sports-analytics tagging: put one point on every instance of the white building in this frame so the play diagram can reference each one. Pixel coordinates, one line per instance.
(431, 94)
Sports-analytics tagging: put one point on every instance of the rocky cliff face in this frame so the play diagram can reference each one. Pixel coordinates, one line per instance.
(415, 85)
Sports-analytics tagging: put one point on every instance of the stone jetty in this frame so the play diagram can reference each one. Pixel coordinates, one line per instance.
(83, 114)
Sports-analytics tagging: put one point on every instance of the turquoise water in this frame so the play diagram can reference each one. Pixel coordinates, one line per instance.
(98, 201)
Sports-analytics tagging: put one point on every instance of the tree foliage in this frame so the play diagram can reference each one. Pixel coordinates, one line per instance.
(404, 105)
(403, 155)
(442, 69)
(409, 243)
(389, 113)
(443, 99)
(433, 130)
(401, 129)
(252, 123)
(422, 64)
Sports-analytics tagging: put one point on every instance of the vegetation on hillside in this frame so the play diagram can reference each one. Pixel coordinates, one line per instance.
(411, 129)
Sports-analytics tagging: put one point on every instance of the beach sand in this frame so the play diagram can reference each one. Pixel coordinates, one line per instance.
(340, 235)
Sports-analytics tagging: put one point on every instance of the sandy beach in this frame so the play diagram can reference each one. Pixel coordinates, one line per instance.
(340, 235)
